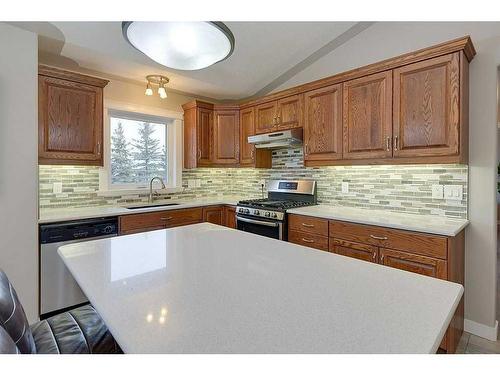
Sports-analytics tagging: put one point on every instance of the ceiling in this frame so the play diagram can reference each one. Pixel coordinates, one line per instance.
(263, 51)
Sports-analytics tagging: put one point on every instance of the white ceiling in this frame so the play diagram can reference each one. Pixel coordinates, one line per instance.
(263, 51)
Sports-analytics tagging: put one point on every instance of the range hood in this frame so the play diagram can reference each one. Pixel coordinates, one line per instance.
(283, 139)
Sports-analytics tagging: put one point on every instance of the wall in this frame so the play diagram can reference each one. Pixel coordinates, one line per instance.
(18, 163)
(387, 39)
(395, 188)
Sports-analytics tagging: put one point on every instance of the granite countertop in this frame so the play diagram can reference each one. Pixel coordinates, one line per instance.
(417, 223)
(204, 288)
(53, 215)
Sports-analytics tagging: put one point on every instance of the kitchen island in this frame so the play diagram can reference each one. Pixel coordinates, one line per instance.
(204, 288)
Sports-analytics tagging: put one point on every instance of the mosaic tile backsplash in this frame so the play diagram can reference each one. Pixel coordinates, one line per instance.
(403, 188)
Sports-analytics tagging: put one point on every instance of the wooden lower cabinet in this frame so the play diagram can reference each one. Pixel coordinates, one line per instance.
(414, 263)
(230, 213)
(426, 254)
(136, 223)
(308, 239)
(354, 250)
(214, 215)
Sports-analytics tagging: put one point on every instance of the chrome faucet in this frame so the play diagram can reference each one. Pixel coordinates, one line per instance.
(151, 195)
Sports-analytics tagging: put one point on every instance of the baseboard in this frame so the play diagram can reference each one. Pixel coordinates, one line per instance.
(481, 330)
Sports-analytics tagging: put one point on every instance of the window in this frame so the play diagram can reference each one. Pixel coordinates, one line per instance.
(139, 147)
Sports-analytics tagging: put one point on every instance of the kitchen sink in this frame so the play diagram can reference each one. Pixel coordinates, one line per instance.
(151, 206)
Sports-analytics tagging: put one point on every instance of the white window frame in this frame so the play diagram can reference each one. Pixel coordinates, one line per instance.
(174, 121)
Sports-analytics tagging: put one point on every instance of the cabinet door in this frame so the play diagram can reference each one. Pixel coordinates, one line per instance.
(323, 124)
(226, 137)
(230, 217)
(368, 117)
(69, 122)
(204, 136)
(426, 108)
(289, 112)
(247, 128)
(354, 250)
(413, 263)
(265, 117)
(214, 215)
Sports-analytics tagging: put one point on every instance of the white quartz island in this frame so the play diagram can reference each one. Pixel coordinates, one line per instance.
(204, 288)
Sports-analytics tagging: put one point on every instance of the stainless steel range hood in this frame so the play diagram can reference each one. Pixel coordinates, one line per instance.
(283, 139)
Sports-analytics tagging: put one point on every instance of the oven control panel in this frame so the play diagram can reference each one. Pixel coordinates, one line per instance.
(276, 215)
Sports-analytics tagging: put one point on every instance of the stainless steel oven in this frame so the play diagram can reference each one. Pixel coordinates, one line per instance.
(264, 227)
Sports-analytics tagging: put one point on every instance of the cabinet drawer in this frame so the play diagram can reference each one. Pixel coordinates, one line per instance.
(413, 263)
(354, 250)
(308, 239)
(419, 243)
(158, 220)
(308, 224)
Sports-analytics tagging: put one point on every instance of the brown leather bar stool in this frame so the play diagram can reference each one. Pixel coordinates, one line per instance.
(80, 330)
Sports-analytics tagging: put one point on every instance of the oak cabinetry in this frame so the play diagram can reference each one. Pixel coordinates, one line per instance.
(323, 124)
(367, 125)
(214, 215)
(70, 117)
(136, 223)
(354, 250)
(426, 254)
(230, 214)
(285, 113)
(198, 134)
(247, 128)
(226, 136)
(427, 108)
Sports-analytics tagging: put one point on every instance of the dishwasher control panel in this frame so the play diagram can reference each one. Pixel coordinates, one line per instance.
(78, 230)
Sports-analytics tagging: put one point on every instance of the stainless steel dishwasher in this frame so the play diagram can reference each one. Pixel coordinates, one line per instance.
(58, 289)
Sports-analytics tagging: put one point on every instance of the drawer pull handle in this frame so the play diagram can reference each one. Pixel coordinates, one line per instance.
(166, 218)
(308, 225)
(307, 240)
(374, 256)
(378, 238)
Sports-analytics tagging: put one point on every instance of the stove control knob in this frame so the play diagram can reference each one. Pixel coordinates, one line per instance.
(268, 214)
(247, 211)
(256, 212)
(274, 215)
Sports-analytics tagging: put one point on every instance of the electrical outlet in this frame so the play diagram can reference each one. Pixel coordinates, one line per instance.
(57, 188)
(437, 191)
(453, 192)
(345, 187)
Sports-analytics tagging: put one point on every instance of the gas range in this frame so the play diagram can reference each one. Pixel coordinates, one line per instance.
(267, 216)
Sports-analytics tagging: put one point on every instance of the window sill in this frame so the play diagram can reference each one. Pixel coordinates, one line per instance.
(121, 192)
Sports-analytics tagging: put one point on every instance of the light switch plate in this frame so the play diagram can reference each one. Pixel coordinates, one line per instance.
(437, 191)
(453, 192)
(345, 187)
(57, 188)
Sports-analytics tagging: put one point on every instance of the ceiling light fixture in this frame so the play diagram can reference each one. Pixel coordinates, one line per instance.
(161, 81)
(181, 45)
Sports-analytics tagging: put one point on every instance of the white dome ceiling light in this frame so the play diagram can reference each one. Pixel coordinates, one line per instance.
(181, 45)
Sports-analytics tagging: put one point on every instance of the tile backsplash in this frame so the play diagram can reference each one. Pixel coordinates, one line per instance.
(403, 188)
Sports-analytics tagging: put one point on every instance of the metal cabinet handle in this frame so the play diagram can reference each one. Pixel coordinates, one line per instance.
(98, 148)
(378, 238)
(166, 218)
(388, 143)
(382, 258)
(396, 143)
(306, 149)
(374, 256)
(307, 240)
(308, 225)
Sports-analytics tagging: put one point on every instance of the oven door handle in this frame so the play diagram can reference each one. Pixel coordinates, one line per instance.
(251, 221)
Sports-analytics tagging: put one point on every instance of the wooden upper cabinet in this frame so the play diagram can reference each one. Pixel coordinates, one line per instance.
(70, 118)
(323, 124)
(198, 134)
(426, 108)
(226, 136)
(265, 117)
(247, 128)
(289, 112)
(368, 117)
